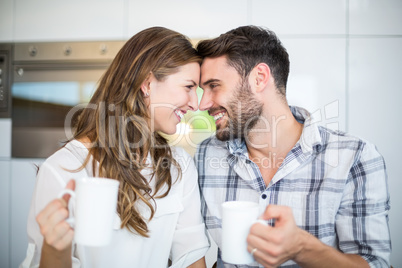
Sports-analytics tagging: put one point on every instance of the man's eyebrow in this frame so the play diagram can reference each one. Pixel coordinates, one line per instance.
(210, 81)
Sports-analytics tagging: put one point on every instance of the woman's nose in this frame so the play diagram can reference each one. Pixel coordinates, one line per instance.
(193, 103)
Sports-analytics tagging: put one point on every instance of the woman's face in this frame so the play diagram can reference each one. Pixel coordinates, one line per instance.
(172, 97)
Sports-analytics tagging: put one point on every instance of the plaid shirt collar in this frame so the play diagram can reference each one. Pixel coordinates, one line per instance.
(309, 141)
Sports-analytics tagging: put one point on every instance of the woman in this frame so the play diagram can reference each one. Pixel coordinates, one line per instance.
(147, 89)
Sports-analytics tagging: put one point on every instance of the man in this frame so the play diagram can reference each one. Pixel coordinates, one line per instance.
(323, 192)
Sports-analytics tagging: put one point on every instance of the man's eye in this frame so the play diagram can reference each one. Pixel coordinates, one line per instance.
(212, 86)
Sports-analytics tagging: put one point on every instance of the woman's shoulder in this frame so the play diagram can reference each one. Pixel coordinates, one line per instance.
(179, 152)
(60, 167)
(189, 175)
(182, 157)
(70, 156)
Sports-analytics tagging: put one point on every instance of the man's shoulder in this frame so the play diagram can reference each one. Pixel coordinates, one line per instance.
(330, 135)
(340, 140)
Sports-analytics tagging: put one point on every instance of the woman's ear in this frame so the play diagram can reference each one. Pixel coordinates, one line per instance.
(145, 86)
(260, 77)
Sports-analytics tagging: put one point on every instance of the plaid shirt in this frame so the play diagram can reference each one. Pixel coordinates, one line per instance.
(335, 184)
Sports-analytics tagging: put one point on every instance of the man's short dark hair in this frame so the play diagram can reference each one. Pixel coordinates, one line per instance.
(247, 46)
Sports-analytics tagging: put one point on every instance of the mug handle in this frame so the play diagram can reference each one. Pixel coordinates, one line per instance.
(70, 220)
(261, 221)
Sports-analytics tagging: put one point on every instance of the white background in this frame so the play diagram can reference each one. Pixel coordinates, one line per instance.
(345, 55)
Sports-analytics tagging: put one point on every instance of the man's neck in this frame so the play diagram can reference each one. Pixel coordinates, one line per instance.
(271, 139)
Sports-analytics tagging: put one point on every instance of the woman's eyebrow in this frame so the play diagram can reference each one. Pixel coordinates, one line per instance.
(192, 81)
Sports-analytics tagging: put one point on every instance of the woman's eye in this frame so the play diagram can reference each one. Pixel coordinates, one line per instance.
(189, 87)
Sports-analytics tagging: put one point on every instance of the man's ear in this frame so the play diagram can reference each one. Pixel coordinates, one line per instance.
(260, 77)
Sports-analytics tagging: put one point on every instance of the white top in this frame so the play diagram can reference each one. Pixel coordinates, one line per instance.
(177, 230)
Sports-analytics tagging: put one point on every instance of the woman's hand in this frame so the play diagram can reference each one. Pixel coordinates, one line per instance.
(56, 232)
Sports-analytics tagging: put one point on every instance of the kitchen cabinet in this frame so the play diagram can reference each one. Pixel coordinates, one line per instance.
(194, 18)
(51, 20)
(23, 176)
(5, 137)
(5, 213)
(6, 20)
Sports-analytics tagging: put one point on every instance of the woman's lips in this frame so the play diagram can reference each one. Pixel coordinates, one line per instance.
(179, 114)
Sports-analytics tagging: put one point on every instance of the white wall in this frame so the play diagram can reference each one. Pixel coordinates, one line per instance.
(345, 58)
(374, 91)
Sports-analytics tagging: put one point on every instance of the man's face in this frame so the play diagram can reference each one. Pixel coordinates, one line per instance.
(228, 99)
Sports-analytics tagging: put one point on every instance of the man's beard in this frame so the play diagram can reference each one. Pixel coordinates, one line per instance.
(244, 111)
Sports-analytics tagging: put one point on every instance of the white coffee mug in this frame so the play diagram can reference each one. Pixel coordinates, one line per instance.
(95, 207)
(237, 218)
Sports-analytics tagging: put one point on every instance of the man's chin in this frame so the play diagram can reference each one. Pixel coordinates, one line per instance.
(222, 134)
(225, 134)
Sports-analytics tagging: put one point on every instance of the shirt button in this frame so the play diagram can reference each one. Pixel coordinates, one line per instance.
(263, 196)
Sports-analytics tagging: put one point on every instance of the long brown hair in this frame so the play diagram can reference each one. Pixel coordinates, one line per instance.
(117, 117)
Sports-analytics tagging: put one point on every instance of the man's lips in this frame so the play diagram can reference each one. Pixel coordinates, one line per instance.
(217, 114)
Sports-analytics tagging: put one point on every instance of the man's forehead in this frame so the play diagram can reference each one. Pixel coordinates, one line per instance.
(215, 62)
(213, 68)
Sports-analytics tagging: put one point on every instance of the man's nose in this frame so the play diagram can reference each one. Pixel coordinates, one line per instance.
(206, 101)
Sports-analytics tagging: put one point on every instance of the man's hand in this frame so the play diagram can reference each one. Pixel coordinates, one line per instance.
(272, 246)
(275, 245)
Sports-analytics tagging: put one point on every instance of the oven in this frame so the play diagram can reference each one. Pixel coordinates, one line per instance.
(41, 82)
